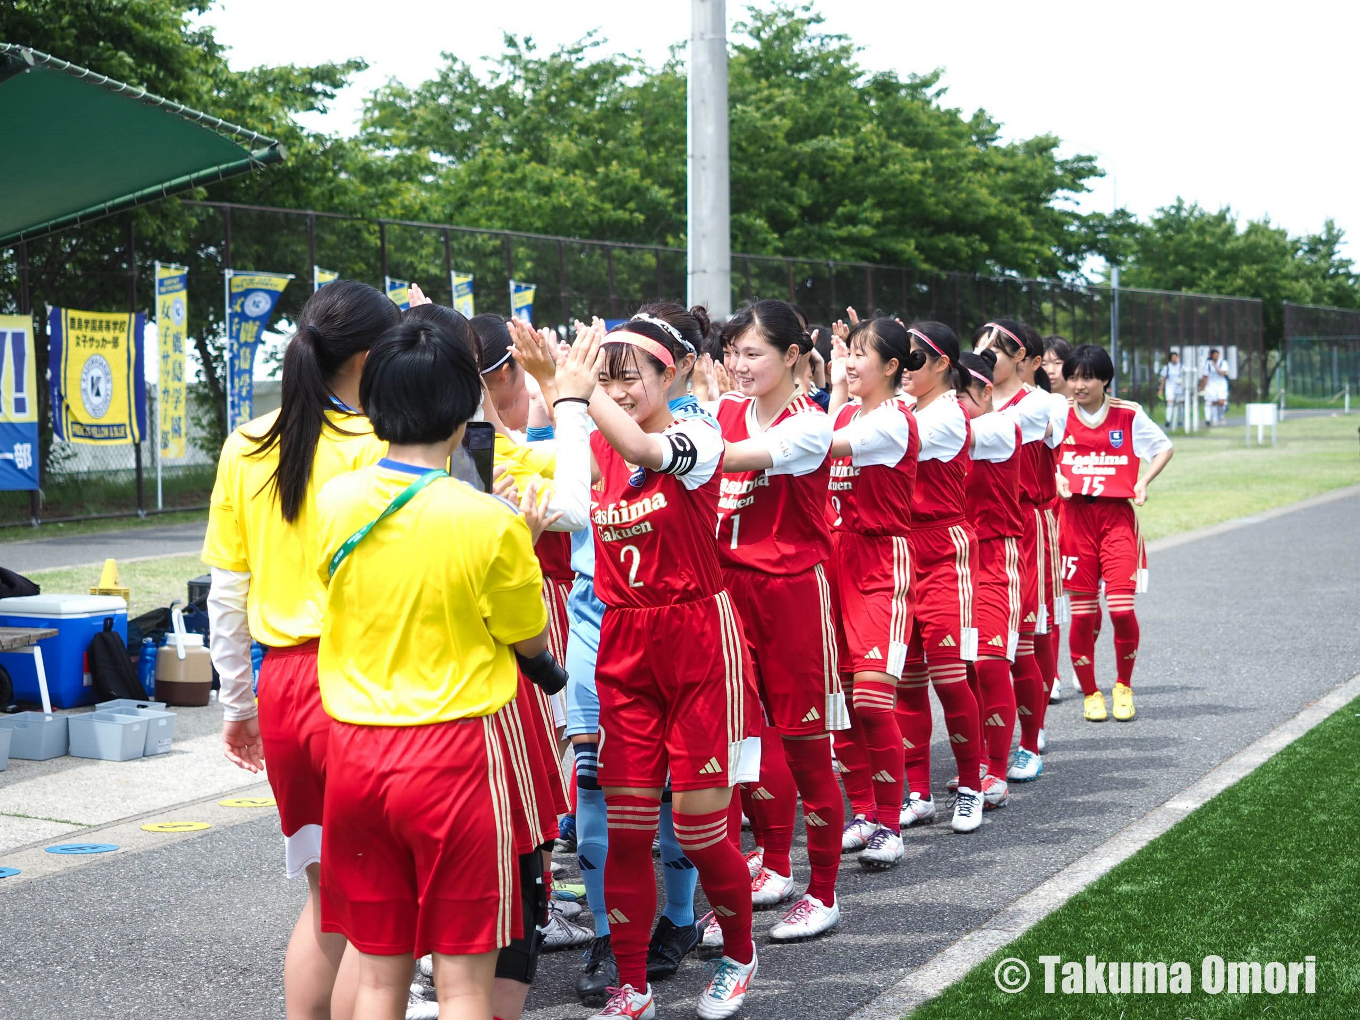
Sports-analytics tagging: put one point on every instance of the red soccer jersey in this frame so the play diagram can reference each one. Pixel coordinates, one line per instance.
(1099, 460)
(875, 498)
(993, 491)
(772, 521)
(1032, 457)
(653, 535)
(941, 478)
(554, 555)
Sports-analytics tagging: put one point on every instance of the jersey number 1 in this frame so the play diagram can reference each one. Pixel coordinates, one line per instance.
(633, 582)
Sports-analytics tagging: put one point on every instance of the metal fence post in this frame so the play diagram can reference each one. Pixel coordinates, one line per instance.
(132, 308)
(448, 266)
(562, 281)
(382, 249)
(311, 242)
(613, 292)
(509, 268)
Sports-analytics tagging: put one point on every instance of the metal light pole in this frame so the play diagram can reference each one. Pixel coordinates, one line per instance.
(1114, 328)
(709, 259)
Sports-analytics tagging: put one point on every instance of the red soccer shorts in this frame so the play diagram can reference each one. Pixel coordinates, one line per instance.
(996, 597)
(873, 594)
(676, 690)
(536, 792)
(1100, 540)
(1030, 553)
(555, 596)
(946, 562)
(420, 857)
(795, 657)
(295, 729)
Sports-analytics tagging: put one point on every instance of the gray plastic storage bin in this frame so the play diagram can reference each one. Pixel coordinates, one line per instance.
(108, 735)
(4, 750)
(34, 736)
(160, 724)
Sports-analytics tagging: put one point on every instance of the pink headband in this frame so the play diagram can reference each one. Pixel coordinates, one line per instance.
(657, 350)
(980, 377)
(995, 325)
(925, 339)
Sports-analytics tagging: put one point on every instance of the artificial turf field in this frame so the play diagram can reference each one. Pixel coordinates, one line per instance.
(1266, 871)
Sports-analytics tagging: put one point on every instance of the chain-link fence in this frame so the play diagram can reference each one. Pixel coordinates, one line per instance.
(1320, 362)
(574, 279)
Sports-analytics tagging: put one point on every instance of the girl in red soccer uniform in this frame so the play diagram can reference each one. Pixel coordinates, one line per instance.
(1106, 440)
(672, 673)
(873, 475)
(1056, 351)
(774, 543)
(1028, 407)
(944, 554)
(993, 500)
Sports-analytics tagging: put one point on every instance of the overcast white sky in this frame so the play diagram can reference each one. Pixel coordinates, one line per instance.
(1246, 104)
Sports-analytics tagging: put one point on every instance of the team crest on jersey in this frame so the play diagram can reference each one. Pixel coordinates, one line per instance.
(637, 478)
(1116, 438)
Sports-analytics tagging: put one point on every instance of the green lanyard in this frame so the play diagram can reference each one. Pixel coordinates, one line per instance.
(403, 497)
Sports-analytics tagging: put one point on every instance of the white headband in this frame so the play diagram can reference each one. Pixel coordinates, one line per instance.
(644, 317)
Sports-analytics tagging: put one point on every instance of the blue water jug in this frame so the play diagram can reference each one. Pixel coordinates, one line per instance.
(146, 667)
(256, 661)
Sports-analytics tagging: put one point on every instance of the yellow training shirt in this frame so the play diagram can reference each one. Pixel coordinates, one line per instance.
(247, 532)
(526, 462)
(420, 616)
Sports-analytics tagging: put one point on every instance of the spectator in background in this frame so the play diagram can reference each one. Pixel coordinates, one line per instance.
(1213, 383)
(1056, 351)
(1171, 388)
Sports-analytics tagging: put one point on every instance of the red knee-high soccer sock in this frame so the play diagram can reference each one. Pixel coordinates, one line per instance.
(998, 712)
(914, 723)
(853, 755)
(949, 677)
(823, 812)
(773, 803)
(1048, 669)
(1029, 692)
(1125, 623)
(875, 703)
(974, 682)
(1081, 639)
(703, 839)
(734, 819)
(630, 881)
(1054, 649)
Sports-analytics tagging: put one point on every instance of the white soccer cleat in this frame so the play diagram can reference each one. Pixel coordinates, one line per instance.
(426, 967)
(629, 1004)
(569, 909)
(559, 933)
(809, 916)
(713, 936)
(1055, 695)
(917, 810)
(967, 810)
(1026, 767)
(769, 888)
(726, 991)
(995, 792)
(883, 851)
(1042, 742)
(755, 860)
(425, 1009)
(855, 835)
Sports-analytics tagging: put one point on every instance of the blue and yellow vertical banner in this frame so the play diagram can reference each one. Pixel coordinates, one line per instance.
(522, 300)
(399, 291)
(251, 298)
(321, 277)
(462, 294)
(97, 383)
(172, 317)
(18, 405)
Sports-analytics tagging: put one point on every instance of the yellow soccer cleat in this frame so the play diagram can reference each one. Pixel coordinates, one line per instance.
(1094, 709)
(1123, 702)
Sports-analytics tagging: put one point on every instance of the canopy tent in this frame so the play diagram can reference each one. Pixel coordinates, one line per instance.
(84, 146)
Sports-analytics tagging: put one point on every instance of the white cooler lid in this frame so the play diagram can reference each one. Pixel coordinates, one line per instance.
(56, 605)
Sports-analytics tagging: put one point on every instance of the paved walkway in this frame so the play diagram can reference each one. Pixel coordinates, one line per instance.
(78, 550)
(1241, 630)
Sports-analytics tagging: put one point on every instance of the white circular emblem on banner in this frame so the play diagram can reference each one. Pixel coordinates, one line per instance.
(177, 311)
(96, 385)
(256, 303)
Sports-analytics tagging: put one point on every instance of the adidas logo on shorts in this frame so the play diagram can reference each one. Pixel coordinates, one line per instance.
(812, 716)
(1022, 710)
(997, 641)
(813, 820)
(957, 738)
(948, 642)
(995, 719)
(712, 768)
(1029, 618)
(882, 776)
(722, 911)
(760, 793)
(617, 916)
(873, 653)
(907, 744)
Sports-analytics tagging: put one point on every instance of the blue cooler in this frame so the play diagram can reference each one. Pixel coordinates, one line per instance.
(77, 619)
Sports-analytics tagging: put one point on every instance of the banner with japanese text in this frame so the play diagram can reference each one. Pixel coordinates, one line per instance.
(97, 383)
(18, 405)
(251, 298)
(522, 300)
(462, 294)
(172, 316)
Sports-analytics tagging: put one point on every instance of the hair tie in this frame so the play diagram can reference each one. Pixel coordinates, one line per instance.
(980, 377)
(657, 350)
(644, 317)
(997, 325)
(925, 339)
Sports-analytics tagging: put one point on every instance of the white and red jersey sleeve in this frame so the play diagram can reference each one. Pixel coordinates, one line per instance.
(870, 490)
(773, 520)
(654, 529)
(993, 488)
(939, 498)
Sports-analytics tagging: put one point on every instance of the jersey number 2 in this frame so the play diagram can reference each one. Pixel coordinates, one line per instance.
(633, 582)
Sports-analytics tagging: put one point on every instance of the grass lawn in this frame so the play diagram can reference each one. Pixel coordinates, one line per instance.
(1204, 888)
(1215, 476)
(152, 583)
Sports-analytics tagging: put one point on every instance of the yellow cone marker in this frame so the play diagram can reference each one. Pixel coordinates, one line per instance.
(248, 802)
(176, 826)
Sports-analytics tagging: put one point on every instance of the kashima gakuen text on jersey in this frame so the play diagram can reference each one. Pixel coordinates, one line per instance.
(626, 513)
(739, 493)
